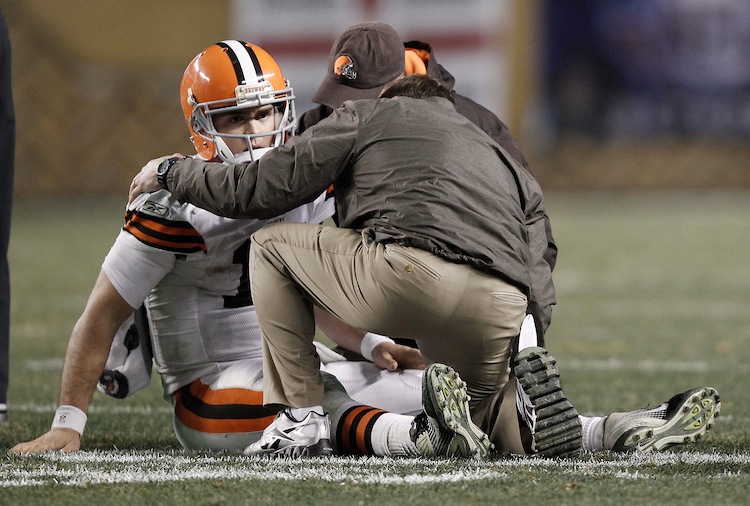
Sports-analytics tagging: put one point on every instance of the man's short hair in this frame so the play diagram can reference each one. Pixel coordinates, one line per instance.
(416, 86)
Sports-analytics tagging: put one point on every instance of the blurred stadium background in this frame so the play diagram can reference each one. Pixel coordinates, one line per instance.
(616, 94)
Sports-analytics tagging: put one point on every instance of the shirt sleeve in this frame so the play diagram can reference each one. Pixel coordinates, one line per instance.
(134, 268)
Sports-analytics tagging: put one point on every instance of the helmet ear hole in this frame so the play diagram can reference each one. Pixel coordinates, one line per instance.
(195, 124)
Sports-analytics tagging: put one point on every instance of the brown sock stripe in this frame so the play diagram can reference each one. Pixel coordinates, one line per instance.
(354, 433)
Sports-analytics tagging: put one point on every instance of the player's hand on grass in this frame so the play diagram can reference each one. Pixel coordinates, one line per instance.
(66, 440)
(392, 356)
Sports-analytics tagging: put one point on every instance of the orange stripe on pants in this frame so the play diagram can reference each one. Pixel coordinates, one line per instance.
(230, 410)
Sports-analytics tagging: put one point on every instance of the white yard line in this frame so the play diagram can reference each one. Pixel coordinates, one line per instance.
(87, 468)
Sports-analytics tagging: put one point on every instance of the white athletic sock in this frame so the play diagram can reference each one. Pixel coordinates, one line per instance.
(593, 432)
(387, 433)
(299, 414)
(390, 436)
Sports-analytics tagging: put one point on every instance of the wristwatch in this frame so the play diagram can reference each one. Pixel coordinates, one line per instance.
(163, 169)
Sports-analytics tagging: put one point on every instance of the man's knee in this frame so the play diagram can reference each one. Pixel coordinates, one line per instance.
(293, 234)
(268, 233)
(264, 242)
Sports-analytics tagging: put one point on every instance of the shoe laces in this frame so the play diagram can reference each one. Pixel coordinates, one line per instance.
(427, 436)
(659, 412)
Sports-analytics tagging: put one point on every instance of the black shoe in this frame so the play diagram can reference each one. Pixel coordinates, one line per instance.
(552, 419)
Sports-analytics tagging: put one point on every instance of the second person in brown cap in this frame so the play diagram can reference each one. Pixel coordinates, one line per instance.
(368, 56)
(363, 59)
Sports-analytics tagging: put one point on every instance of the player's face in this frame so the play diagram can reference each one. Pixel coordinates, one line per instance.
(256, 120)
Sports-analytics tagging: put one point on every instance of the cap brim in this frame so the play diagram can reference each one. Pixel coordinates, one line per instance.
(333, 94)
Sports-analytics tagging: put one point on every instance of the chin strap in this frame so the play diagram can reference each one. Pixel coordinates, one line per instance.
(222, 150)
(248, 156)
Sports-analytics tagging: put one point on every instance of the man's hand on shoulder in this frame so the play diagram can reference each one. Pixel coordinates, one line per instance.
(145, 181)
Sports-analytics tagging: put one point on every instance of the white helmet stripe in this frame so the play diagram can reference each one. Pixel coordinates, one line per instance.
(244, 61)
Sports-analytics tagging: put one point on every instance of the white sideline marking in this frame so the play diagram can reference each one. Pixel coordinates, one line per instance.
(610, 364)
(616, 364)
(109, 408)
(48, 364)
(44, 364)
(100, 467)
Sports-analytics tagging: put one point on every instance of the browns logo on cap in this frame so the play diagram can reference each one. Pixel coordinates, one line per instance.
(344, 67)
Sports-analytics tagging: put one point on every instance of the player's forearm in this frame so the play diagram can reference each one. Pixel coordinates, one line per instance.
(349, 337)
(90, 342)
(339, 332)
(84, 362)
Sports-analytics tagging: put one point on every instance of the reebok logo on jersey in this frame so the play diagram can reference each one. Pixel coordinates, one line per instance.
(154, 208)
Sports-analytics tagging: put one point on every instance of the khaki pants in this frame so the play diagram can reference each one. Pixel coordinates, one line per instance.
(458, 315)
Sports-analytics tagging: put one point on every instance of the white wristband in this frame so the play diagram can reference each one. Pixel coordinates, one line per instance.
(69, 417)
(369, 342)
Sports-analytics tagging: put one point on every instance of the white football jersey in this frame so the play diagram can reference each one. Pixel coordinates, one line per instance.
(191, 269)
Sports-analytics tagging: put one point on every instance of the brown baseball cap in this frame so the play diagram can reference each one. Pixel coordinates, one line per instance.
(364, 58)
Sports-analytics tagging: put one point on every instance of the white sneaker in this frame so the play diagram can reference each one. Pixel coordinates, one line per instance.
(288, 437)
(682, 419)
(445, 427)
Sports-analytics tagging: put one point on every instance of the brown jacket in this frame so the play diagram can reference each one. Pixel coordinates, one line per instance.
(409, 171)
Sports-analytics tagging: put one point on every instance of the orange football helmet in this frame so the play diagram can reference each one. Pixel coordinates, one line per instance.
(231, 75)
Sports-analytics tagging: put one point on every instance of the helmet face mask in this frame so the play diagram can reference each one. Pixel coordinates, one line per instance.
(234, 76)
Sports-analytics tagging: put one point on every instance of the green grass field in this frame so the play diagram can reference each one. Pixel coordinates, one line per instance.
(653, 296)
